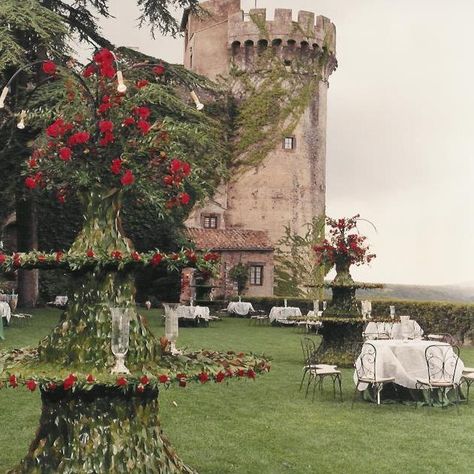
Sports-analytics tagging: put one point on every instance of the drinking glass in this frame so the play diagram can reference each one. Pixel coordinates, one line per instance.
(120, 338)
(171, 325)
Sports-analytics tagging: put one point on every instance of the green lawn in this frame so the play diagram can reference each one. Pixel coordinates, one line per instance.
(267, 426)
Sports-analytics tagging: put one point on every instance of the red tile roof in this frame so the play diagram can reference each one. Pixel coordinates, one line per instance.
(229, 239)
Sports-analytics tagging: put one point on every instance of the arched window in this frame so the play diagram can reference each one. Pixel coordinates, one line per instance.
(304, 46)
(276, 43)
(291, 43)
(235, 47)
(262, 45)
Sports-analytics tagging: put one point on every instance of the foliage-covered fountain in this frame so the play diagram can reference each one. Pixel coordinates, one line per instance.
(106, 141)
(342, 321)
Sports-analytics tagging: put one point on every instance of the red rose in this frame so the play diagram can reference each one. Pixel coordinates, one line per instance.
(31, 385)
(136, 256)
(32, 163)
(240, 372)
(116, 254)
(69, 381)
(116, 166)
(122, 381)
(211, 257)
(220, 376)
(41, 258)
(144, 380)
(89, 70)
(128, 121)
(106, 126)
(142, 83)
(106, 139)
(168, 180)
(140, 388)
(65, 154)
(203, 377)
(49, 67)
(142, 112)
(30, 182)
(16, 259)
(175, 165)
(104, 108)
(163, 378)
(90, 253)
(184, 198)
(181, 379)
(59, 256)
(186, 168)
(78, 138)
(12, 381)
(191, 256)
(228, 373)
(61, 196)
(90, 378)
(52, 386)
(159, 70)
(2, 258)
(250, 374)
(128, 178)
(144, 126)
(156, 259)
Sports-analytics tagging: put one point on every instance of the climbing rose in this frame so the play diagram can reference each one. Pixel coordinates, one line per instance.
(89, 70)
(240, 373)
(30, 182)
(156, 259)
(136, 256)
(12, 381)
(31, 385)
(59, 256)
(49, 67)
(116, 166)
(90, 378)
(116, 254)
(128, 121)
(220, 376)
(250, 374)
(163, 378)
(106, 126)
(140, 388)
(90, 253)
(52, 386)
(184, 198)
(69, 381)
(144, 126)
(142, 112)
(78, 138)
(142, 83)
(128, 178)
(182, 379)
(65, 154)
(159, 70)
(144, 380)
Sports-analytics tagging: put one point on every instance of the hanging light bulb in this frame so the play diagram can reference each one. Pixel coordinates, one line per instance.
(198, 103)
(21, 123)
(121, 87)
(3, 96)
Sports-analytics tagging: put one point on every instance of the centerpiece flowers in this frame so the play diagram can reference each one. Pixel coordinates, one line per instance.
(107, 139)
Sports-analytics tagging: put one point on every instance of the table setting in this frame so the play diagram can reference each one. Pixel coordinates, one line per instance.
(281, 314)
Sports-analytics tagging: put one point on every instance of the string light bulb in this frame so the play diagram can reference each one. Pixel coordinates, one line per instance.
(121, 87)
(198, 103)
(3, 96)
(21, 123)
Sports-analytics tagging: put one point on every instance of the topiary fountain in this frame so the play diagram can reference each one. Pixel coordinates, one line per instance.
(107, 140)
(342, 320)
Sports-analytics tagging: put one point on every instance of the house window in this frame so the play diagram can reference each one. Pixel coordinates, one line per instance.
(289, 143)
(256, 275)
(210, 221)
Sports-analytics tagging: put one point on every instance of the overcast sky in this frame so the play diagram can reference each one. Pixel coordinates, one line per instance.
(400, 127)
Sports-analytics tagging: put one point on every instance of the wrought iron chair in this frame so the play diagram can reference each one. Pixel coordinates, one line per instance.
(317, 372)
(441, 362)
(366, 371)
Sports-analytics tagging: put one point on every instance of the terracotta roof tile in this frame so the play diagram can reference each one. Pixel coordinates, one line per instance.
(229, 239)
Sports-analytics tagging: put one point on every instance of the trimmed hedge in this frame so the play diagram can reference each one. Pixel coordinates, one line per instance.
(456, 319)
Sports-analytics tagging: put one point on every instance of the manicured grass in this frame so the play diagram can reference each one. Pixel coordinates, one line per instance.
(267, 426)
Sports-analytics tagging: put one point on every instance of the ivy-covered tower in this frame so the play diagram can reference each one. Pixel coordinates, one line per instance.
(277, 70)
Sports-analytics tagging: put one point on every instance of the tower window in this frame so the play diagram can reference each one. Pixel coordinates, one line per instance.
(210, 221)
(289, 143)
(256, 275)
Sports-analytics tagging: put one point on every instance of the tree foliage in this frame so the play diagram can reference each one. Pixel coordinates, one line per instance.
(297, 273)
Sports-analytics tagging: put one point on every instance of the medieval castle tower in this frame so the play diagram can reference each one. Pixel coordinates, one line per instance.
(278, 72)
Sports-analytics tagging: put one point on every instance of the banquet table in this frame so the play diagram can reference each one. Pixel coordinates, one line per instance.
(378, 329)
(405, 361)
(282, 313)
(241, 308)
(193, 312)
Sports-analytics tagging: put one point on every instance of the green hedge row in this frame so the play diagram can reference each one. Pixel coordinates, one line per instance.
(434, 317)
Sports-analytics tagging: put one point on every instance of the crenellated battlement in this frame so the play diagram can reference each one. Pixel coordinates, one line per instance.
(310, 32)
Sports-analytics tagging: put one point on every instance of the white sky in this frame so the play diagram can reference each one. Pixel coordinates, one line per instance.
(400, 127)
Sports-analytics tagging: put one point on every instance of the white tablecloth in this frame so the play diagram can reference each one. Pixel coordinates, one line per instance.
(240, 307)
(403, 360)
(193, 312)
(282, 313)
(393, 330)
(5, 311)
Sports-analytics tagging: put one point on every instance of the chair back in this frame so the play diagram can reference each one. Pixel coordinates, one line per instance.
(365, 364)
(441, 361)
(309, 348)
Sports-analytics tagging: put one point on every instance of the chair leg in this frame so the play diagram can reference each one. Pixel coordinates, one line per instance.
(379, 389)
(340, 386)
(305, 370)
(309, 383)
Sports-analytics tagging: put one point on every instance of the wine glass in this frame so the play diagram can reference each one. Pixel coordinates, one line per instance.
(120, 338)
(171, 325)
(392, 312)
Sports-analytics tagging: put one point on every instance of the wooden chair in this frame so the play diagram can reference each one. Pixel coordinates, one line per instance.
(366, 371)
